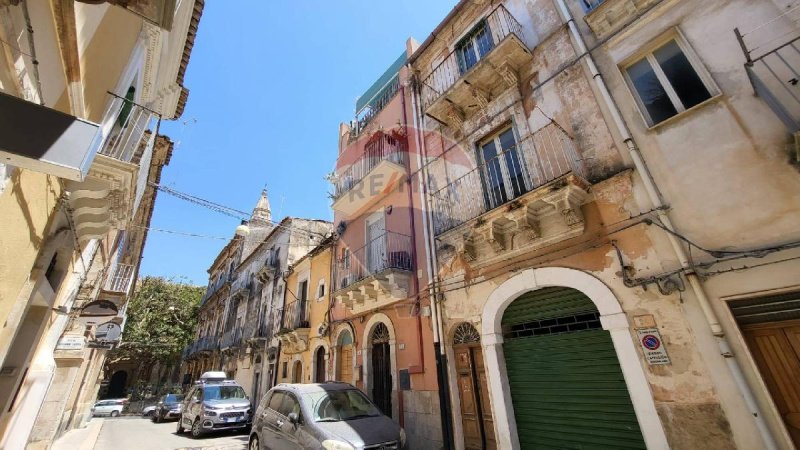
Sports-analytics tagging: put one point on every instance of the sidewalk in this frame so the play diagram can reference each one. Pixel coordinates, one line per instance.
(81, 438)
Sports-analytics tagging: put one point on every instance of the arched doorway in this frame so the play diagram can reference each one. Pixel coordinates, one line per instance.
(319, 363)
(566, 383)
(473, 389)
(344, 357)
(381, 368)
(116, 387)
(297, 372)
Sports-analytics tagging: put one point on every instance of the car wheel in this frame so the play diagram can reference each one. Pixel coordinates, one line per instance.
(114, 413)
(180, 426)
(197, 428)
(254, 443)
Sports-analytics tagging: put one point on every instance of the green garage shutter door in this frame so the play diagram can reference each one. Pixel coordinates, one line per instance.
(566, 384)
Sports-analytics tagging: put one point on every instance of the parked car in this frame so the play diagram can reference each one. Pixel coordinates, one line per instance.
(214, 403)
(331, 416)
(112, 407)
(169, 407)
(148, 411)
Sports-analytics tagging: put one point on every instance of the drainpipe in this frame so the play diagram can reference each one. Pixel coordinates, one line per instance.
(655, 197)
(420, 368)
(430, 251)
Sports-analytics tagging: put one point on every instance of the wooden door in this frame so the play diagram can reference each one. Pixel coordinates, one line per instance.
(476, 414)
(319, 377)
(345, 366)
(775, 347)
(382, 377)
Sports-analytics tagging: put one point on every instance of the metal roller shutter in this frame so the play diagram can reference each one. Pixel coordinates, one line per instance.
(566, 384)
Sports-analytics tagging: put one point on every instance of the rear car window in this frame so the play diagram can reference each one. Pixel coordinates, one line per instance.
(276, 401)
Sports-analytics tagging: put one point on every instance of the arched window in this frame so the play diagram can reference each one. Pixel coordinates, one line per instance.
(465, 333)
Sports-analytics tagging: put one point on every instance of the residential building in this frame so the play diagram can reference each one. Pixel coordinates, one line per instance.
(612, 220)
(84, 86)
(241, 311)
(305, 348)
(381, 336)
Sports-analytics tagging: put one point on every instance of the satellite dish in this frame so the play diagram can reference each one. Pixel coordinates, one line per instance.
(108, 331)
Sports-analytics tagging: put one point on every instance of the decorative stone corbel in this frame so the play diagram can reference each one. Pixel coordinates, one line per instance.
(508, 73)
(481, 98)
(466, 247)
(456, 117)
(526, 220)
(568, 201)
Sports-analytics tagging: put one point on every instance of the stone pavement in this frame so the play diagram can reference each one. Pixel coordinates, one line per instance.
(80, 438)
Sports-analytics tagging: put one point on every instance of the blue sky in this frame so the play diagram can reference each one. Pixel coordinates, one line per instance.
(270, 81)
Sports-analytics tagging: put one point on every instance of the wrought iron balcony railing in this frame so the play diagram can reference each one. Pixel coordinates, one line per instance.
(295, 315)
(547, 154)
(231, 338)
(129, 129)
(388, 251)
(119, 278)
(498, 25)
(384, 148)
(214, 288)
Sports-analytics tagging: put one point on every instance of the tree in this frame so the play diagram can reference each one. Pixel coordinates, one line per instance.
(161, 317)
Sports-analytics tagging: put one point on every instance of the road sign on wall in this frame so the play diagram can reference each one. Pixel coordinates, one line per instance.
(652, 346)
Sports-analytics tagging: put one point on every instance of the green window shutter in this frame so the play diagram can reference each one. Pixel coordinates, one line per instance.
(127, 105)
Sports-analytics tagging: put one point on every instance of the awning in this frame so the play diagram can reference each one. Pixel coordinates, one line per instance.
(45, 140)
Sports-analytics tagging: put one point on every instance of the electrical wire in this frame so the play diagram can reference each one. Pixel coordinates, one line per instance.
(229, 211)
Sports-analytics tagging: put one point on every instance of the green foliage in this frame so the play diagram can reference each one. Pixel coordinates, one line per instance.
(161, 319)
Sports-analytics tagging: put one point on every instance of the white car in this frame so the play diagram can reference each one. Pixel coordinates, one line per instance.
(148, 411)
(111, 408)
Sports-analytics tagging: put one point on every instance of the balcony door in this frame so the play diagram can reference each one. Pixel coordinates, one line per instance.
(376, 244)
(502, 174)
(474, 46)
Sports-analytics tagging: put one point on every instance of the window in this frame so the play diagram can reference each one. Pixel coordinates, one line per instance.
(589, 5)
(667, 81)
(474, 46)
(502, 175)
(276, 400)
(285, 370)
(302, 290)
(321, 290)
(290, 405)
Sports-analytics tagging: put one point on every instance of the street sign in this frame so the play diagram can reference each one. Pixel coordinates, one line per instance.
(71, 342)
(652, 346)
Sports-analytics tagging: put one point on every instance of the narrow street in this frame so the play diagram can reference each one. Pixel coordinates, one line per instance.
(136, 433)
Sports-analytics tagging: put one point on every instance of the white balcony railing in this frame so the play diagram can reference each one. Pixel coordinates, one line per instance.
(119, 279)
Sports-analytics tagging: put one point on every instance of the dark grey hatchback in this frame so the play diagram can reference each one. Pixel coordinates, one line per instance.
(330, 416)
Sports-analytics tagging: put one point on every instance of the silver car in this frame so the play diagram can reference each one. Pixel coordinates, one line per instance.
(330, 416)
(213, 406)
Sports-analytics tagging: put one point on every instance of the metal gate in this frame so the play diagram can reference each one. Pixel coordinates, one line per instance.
(566, 384)
(381, 369)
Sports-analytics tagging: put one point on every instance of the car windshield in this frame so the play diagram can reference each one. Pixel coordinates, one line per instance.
(223, 392)
(334, 406)
(173, 398)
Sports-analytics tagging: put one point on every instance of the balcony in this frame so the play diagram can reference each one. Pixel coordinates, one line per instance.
(538, 205)
(484, 65)
(376, 274)
(201, 346)
(607, 16)
(295, 327)
(772, 58)
(222, 283)
(109, 195)
(371, 175)
(272, 265)
(119, 279)
(231, 338)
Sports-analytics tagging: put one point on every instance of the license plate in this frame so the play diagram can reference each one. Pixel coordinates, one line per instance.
(231, 419)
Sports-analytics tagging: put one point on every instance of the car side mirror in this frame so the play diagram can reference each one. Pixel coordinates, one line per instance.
(294, 418)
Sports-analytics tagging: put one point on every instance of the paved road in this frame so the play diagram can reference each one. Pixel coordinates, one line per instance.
(137, 433)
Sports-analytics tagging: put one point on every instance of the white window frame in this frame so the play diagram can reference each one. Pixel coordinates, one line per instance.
(320, 285)
(647, 53)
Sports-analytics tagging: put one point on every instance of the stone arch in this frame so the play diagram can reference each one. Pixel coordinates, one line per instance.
(336, 347)
(366, 351)
(612, 318)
